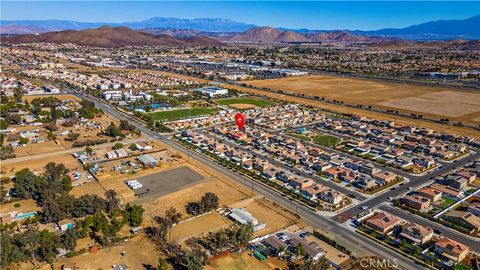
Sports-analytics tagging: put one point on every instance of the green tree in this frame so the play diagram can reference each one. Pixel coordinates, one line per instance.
(18, 94)
(117, 146)
(162, 264)
(133, 215)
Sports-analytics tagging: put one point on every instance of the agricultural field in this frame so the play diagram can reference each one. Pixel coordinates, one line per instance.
(366, 113)
(244, 103)
(431, 101)
(180, 114)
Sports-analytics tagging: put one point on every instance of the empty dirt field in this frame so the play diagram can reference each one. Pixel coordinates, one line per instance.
(445, 103)
(405, 97)
(243, 261)
(59, 96)
(371, 114)
(210, 222)
(145, 257)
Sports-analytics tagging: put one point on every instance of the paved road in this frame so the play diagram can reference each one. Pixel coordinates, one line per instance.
(343, 235)
(415, 181)
(473, 243)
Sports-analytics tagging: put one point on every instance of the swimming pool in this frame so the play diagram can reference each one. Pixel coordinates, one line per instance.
(26, 215)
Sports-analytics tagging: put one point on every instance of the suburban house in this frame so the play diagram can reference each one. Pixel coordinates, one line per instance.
(450, 249)
(313, 192)
(276, 245)
(447, 191)
(384, 177)
(430, 193)
(474, 209)
(417, 202)
(464, 219)
(382, 222)
(301, 183)
(312, 249)
(415, 233)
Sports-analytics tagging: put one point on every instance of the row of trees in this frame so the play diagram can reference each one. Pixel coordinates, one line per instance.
(113, 131)
(208, 202)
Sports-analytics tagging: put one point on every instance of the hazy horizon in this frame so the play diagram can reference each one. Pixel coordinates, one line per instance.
(356, 15)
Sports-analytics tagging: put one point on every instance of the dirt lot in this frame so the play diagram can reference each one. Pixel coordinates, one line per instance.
(179, 199)
(59, 96)
(93, 188)
(351, 90)
(242, 106)
(445, 103)
(376, 115)
(25, 207)
(244, 261)
(201, 225)
(38, 162)
(37, 148)
(265, 211)
(135, 258)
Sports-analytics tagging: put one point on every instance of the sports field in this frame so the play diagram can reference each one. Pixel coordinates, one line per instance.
(244, 103)
(326, 140)
(180, 114)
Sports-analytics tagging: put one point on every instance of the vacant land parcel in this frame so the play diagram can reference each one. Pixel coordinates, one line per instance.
(410, 98)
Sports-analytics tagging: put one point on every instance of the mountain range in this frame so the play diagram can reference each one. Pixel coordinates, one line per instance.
(435, 30)
(111, 37)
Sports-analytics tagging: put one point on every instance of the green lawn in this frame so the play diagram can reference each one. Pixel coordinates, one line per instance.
(252, 101)
(446, 202)
(326, 140)
(181, 113)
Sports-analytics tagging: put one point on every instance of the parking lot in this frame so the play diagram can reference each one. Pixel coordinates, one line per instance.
(158, 184)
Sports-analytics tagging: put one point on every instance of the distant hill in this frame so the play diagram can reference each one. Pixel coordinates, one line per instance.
(266, 35)
(107, 36)
(204, 24)
(20, 29)
(272, 35)
(446, 44)
(436, 30)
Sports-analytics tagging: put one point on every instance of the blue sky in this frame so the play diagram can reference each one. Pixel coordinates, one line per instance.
(290, 14)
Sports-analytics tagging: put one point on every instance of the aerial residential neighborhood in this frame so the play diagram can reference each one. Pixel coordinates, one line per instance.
(239, 135)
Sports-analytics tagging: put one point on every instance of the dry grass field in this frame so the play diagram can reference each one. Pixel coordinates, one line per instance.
(343, 109)
(445, 103)
(242, 106)
(59, 96)
(37, 163)
(201, 225)
(135, 257)
(243, 261)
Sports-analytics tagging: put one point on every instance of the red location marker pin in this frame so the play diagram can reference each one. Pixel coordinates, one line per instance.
(240, 120)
